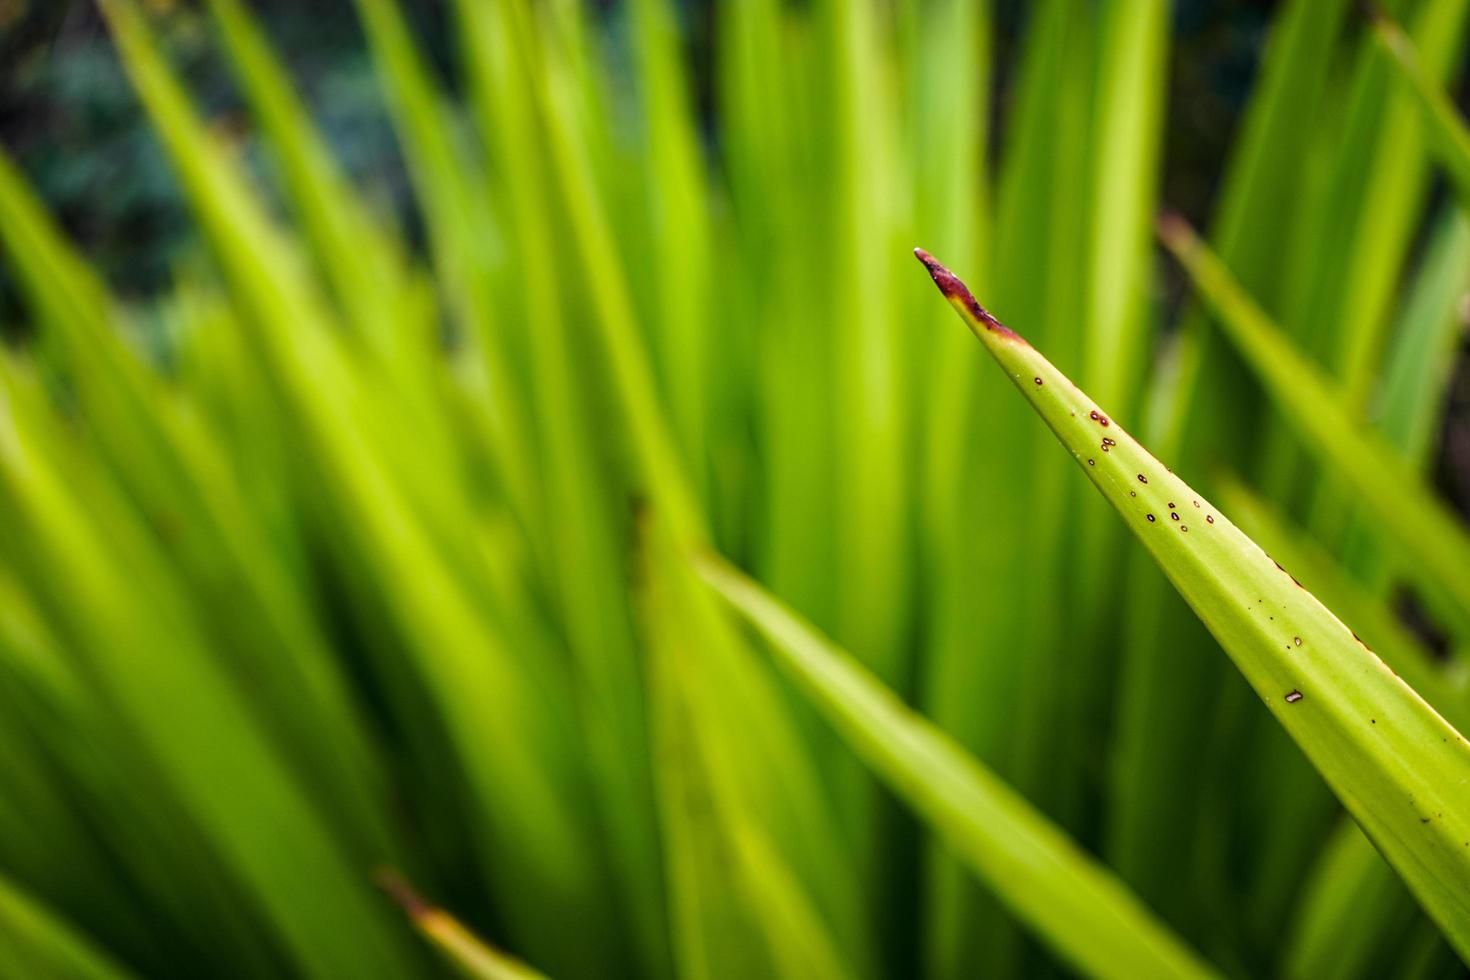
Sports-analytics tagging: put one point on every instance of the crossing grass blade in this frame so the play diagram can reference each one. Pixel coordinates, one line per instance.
(1071, 902)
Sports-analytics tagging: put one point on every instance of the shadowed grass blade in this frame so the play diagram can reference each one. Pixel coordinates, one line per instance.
(37, 944)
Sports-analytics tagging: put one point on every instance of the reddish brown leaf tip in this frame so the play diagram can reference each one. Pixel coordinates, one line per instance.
(402, 892)
(956, 291)
(1174, 230)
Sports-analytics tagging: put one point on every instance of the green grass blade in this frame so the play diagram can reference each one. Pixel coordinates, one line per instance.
(357, 259)
(682, 264)
(583, 539)
(745, 910)
(38, 944)
(1353, 239)
(1074, 904)
(151, 661)
(629, 370)
(1159, 797)
(172, 465)
(403, 533)
(1421, 363)
(1350, 903)
(1433, 546)
(1399, 768)
(470, 954)
(462, 236)
(1447, 131)
(1371, 617)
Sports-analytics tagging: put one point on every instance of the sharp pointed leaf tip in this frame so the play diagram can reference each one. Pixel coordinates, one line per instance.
(957, 292)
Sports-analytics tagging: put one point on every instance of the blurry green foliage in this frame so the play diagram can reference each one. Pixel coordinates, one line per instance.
(351, 482)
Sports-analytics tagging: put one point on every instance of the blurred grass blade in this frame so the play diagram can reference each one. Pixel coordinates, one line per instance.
(1075, 905)
(1410, 407)
(151, 660)
(169, 464)
(1447, 130)
(1370, 616)
(1434, 547)
(1420, 365)
(1350, 902)
(1399, 768)
(358, 260)
(745, 911)
(473, 956)
(582, 537)
(405, 533)
(34, 943)
(462, 236)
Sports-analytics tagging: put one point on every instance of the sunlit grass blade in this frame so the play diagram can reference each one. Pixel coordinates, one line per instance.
(1074, 905)
(151, 660)
(951, 65)
(462, 238)
(402, 534)
(1432, 545)
(1399, 768)
(1159, 800)
(1353, 238)
(171, 464)
(682, 264)
(582, 536)
(744, 909)
(1043, 183)
(628, 367)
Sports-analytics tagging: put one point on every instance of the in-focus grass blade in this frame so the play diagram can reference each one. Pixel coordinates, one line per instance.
(1369, 616)
(1433, 545)
(1351, 903)
(1074, 904)
(1400, 768)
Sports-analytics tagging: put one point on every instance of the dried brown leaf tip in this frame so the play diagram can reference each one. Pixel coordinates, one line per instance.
(957, 292)
(403, 893)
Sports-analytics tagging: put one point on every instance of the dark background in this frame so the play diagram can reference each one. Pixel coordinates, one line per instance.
(69, 118)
